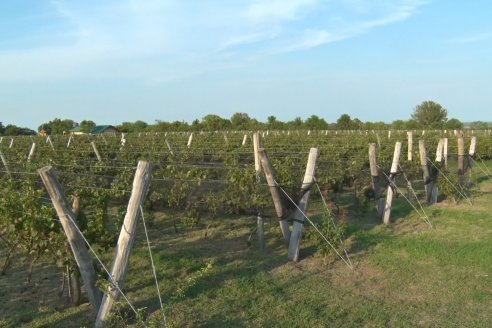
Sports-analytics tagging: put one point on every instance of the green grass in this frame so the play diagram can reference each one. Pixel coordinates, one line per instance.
(405, 275)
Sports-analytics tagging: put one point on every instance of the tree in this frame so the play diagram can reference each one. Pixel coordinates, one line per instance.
(479, 125)
(57, 126)
(344, 122)
(316, 123)
(13, 130)
(86, 126)
(214, 122)
(240, 121)
(454, 123)
(430, 114)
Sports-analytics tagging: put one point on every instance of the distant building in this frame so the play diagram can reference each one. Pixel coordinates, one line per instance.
(43, 133)
(99, 129)
(76, 131)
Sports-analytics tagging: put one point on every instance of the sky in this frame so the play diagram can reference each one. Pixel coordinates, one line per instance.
(117, 61)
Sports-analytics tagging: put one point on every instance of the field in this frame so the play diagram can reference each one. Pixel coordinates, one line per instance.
(202, 214)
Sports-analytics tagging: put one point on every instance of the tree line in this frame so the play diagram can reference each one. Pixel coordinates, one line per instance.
(427, 115)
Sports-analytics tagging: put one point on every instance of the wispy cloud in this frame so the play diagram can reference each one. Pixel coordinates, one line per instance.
(152, 39)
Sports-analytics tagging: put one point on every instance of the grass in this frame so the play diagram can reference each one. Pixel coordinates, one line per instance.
(405, 275)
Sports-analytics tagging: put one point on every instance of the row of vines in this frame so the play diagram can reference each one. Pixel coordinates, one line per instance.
(198, 178)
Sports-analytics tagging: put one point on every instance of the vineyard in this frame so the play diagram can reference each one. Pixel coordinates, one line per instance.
(217, 253)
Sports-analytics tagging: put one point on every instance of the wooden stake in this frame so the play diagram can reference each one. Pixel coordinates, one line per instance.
(4, 161)
(445, 152)
(77, 243)
(276, 193)
(256, 147)
(425, 169)
(295, 239)
(125, 241)
(461, 158)
(190, 139)
(376, 179)
(244, 139)
(169, 147)
(410, 145)
(390, 192)
(96, 151)
(31, 152)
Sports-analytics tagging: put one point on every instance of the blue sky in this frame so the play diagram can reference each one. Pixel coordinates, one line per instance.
(114, 61)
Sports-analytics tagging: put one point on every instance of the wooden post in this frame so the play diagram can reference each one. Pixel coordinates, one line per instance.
(376, 179)
(77, 244)
(390, 191)
(125, 240)
(190, 139)
(256, 147)
(473, 145)
(4, 161)
(69, 141)
(445, 152)
(461, 158)
(425, 169)
(244, 139)
(48, 139)
(276, 194)
(434, 174)
(298, 225)
(169, 147)
(410, 145)
(11, 142)
(96, 151)
(260, 230)
(31, 152)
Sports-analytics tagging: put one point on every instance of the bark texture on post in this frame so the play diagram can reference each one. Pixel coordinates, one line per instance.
(77, 244)
(377, 181)
(390, 192)
(121, 258)
(96, 151)
(276, 193)
(298, 225)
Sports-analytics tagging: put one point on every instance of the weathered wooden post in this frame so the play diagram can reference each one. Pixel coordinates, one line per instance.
(376, 179)
(169, 147)
(190, 139)
(125, 241)
(445, 152)
(244, 139)
(392, 180)
(69, 141)
(48, 140)
(256, 147)
(298, 225)
(410, 145)
(76, 241)
(96, 151)
(4, 161)
(461, 158)
(434, 174)
(276, 195)
(31, 152)
(425, 169)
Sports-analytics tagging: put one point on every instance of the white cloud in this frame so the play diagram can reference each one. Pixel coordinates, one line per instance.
(158, 39)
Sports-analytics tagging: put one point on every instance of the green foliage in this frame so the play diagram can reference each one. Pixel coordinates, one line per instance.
(57, 126)
(430, 114)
